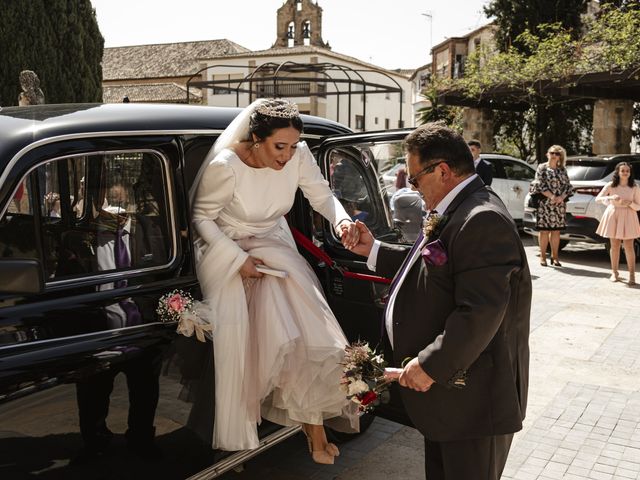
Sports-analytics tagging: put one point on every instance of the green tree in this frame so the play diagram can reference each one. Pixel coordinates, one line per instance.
(514, 17)
(57, 39)
(437, 111)
(544, 28)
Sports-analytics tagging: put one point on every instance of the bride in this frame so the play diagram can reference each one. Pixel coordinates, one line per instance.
(277, 345)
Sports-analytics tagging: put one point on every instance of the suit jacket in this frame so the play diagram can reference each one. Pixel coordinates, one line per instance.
(467, 321)
(485, 172)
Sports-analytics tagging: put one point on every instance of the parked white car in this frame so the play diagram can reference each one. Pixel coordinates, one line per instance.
(511, 179)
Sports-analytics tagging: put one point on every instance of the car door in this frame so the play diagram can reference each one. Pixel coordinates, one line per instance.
(357, 297)
(64, 345)
(518, 177)
(499, 183)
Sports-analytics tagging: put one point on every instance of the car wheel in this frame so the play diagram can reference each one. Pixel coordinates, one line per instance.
(340, 437)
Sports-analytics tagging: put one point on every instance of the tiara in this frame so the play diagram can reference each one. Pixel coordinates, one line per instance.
(283, 109)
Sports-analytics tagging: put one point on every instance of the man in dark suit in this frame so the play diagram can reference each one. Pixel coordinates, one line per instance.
(483, 169)
(459, 310)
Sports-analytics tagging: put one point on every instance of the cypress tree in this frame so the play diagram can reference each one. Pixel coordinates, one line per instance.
(57, 39)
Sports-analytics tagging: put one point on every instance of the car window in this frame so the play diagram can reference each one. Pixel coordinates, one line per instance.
(349, 186)
(17, 226)
(495, 166)
(97, 213)
(517, 171)
(588, 171)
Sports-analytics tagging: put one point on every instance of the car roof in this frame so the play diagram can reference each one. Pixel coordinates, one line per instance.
(23, 126)
(503, 157)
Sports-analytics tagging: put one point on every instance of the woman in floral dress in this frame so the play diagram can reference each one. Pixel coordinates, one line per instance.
(552, 182)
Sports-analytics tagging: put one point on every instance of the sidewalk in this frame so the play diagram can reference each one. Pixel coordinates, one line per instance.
(583, 418)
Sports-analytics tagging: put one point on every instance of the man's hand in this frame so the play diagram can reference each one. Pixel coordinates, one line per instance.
(248, 268)
(414, 377)
(363, 247)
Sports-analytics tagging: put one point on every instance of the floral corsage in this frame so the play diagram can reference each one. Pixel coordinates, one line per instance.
(433, 225)
(365, 379)
(178, 306)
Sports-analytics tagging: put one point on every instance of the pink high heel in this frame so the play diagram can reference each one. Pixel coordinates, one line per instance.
(319, 456)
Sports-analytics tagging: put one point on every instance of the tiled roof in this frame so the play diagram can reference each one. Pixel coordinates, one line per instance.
(163, 60)
(309, 49)
(149, 93)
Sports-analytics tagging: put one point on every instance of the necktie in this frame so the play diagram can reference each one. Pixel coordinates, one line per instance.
(405, 265)
(123, 260)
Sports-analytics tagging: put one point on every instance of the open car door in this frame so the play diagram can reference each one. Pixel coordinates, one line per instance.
(353, 164)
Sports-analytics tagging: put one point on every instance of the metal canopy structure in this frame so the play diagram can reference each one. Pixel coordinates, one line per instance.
(583, 88)
(292, 79)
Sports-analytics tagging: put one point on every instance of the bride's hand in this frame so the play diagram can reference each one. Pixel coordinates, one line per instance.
(248, 269)
(349, 234)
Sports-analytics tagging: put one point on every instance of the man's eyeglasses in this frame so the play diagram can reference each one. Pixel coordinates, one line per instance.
(554, 153)
(413, 181)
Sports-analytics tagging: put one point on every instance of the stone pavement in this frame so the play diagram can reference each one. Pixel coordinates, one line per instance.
(583, 419)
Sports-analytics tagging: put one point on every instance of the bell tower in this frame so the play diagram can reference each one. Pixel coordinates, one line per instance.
(300, 23)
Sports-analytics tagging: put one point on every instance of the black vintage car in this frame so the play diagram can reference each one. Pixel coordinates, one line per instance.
(74, 313)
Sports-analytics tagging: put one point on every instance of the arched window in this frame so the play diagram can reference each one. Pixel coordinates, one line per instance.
(306, 32)
(291, 34)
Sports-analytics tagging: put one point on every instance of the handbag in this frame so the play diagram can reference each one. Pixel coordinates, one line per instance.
(534, 200)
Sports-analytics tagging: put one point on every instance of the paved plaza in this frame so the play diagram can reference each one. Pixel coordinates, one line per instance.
(583, 419)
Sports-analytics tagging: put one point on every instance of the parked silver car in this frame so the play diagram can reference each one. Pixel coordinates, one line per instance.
(588, 175)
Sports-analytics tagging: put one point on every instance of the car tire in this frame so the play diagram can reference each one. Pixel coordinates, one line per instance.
(340, 437)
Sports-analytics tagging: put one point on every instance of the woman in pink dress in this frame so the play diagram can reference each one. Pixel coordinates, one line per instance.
(620, 220)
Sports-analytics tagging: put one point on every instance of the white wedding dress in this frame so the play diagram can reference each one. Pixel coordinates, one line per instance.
(277, 345)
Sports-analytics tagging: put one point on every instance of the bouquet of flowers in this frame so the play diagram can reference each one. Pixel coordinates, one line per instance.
(178, 306)
(365, 378)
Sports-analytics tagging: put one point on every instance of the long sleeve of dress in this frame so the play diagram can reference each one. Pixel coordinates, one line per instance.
(604, 196)
(214, 193)
(316, 189)
(539, 184)
(635, 203)
(566, 187)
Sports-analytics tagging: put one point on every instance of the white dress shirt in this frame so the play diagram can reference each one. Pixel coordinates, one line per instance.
(373, 255)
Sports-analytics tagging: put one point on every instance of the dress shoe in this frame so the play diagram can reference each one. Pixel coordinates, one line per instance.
(318, 456)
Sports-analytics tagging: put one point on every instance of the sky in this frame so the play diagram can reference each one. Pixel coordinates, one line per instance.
(387, 34)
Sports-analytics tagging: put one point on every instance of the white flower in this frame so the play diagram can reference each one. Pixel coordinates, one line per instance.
(358, 387)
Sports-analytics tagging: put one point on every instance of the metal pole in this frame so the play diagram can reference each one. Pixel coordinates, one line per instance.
(429, 15)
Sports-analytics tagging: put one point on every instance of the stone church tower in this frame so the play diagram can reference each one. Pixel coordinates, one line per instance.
(300, 23)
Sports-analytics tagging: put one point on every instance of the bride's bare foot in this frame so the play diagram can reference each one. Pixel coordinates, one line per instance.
(318, 445)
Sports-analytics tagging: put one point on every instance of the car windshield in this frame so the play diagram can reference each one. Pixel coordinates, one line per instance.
(588, 170)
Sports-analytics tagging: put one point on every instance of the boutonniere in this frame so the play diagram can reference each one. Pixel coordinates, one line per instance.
(433, 225)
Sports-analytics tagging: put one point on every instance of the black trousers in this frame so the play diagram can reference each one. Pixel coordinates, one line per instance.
(93, 401)
(477, 459)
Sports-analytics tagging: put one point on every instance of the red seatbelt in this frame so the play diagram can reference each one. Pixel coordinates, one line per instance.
(321, 255)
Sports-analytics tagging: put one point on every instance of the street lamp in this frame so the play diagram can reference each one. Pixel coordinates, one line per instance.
(429, 15)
